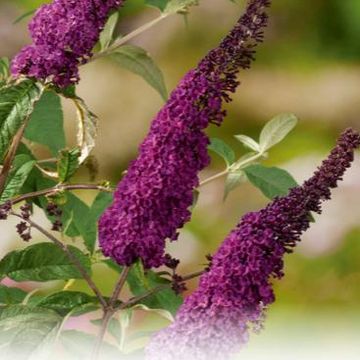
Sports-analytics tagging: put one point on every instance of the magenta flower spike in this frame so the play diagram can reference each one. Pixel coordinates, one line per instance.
(64, 33)
(215, 320)
(152, 201)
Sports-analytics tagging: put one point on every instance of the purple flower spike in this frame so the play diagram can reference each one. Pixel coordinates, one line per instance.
(152, 201)
(215, 320)
(64, 34)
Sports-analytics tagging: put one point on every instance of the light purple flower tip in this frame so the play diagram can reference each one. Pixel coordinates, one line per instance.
(215, 320)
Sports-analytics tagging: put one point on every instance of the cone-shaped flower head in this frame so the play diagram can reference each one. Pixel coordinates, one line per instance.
(153, 199)
(64, 34)
(214, 321)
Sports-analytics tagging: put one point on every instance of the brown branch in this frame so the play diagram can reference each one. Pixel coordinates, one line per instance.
(109, 312)
(71, 257)
(9, 158)
(57, 189)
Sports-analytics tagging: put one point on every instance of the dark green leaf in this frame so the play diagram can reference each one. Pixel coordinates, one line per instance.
(159, 4)
(223, 150)
(16, 104)
(101, 202)
(271, 181)
(22, 167)
(113, 265)
(141, 282)
(11, 295)
(42, 262)
(25, 330)
(138, 61)
(68, 163)
(64, 302)
(46, 123)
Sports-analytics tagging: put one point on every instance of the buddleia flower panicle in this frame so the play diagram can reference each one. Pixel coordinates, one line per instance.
(214, 321)
(152, 201)
(64, 33)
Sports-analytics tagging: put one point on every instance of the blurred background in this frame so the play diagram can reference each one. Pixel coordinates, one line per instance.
(309, 65)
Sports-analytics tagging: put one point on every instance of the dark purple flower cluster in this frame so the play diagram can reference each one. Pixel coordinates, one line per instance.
(64, 34)
(152, 201)
(214, 321)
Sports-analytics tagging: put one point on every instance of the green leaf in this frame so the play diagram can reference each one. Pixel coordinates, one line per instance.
(24, 16)
(42, 262)
(223, 150)
(159, 4)
(24, 330)
(87, 128)
(276, 130)
(271, 181)
(68, 163)
(248, 142)
(138, 61)
(141, 282)
(101, 202)
(22, 167)
(64, 302)
(179, 6)
(11, 295)
(46, 123)
(233, 180)
(4, 70)
(16, 104)
(106, 36)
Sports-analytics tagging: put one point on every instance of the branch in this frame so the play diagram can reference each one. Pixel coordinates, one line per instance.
(126, 38)
(59, 188)
(135, 300)
(109, 312)
(71, 257)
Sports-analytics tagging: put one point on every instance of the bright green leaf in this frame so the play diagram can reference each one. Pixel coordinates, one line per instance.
(68, 163)
(46, 123)
(22, 167)
(16, 104)
(223, 150)
(179, 6)
(276, 130)
(106, 36)
(233, 180)
(42, 262)
(138, 61)
(271, 181)
(101, 202)
(248, 142)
